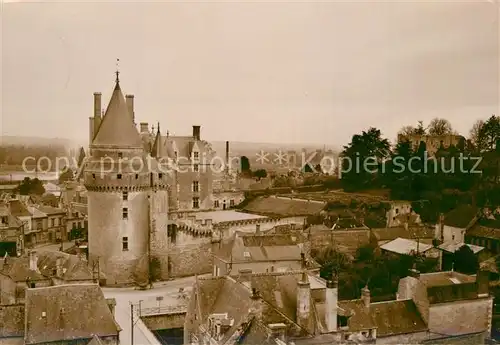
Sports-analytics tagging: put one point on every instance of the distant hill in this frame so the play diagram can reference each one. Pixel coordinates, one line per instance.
(35, 141)
(236, 148)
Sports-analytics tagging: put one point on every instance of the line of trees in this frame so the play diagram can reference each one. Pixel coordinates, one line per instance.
(468, 172)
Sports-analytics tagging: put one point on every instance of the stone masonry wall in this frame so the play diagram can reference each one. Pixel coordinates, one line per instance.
(190, 255)
(11, 320)
(461, 317)
(159, 241)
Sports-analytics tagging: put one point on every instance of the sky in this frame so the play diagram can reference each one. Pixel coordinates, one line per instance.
(281, 71)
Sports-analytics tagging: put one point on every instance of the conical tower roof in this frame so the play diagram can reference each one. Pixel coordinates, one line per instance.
(117, 128)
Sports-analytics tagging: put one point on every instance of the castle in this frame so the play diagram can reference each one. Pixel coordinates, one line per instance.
(137, 183)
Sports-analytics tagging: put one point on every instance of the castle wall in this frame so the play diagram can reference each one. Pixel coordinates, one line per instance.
(159, 241)
(107, 229)
(185, 193)
(190, 255)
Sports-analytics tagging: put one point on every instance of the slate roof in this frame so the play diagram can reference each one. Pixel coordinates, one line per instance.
(18, 209)
(261, 248)
(74, 269)
(461, 216)
(228, 295)
(77, 311)
(18, 270)
(49, 210)
(390, 317)
(389, 234)
(12, 221)
(117, 128)
(35, 213)
(451, 286)
(485, 232)
(284, 207)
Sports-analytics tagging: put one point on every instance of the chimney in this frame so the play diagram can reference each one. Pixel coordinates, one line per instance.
(257, 306)
(257, 229)
(227, 155)
(303, 300)
(246, 277)
(278, 330)
(406, 225)
(196, 132)
(130, 105)
(331, 303)
(111, 304)
(59, 268)
(365, 296)
(303, 260)
(33, 261)
(441, 226)
(144, 127)
(97, 104)
(483, 283)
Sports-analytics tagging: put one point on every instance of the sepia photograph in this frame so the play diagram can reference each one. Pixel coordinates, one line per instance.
(249, 172)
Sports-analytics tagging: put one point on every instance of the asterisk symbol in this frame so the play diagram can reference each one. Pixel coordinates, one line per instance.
(262, 157)
(281, 157)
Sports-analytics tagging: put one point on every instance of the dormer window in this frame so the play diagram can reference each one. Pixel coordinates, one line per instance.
(160, 176)
(119, 176)
(246, 255)
(120, 155)
(196, 155)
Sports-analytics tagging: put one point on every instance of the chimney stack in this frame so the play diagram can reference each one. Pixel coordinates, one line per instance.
(33, 261)
(130, 106)
(227, 155)
(196, 132)
(331, 304)
(365, 296)
(59, 268)
(144, 127)
(257, 229)
(97, 104)
(303, 300)
(246, 277)
(441, 227)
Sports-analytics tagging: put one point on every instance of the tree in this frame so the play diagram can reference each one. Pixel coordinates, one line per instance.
(50, 199)
(30, 186)
(66, 174)
(362, 157)
(489, 134)
(245, 164)
(440, 127)
(474, 134)
(406, 132)
(465, 260)
(260, 173)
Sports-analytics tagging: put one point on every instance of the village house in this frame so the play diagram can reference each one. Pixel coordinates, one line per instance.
(299, 308)
(451, 303)
(259, 253)
(41, 268)
(403, 246)
(56, 227)
(39, 225)
(385, 235)
(20, 211)
(64, 314)
(401, 213)
(452, 226)
(11, 232)
(448, 250)
(485, 233)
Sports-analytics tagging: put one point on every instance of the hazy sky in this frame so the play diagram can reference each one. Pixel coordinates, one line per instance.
(267, 71)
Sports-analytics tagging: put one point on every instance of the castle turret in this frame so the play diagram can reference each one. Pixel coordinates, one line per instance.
(119, 180)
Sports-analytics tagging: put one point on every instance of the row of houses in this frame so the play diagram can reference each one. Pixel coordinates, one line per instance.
(24, 224)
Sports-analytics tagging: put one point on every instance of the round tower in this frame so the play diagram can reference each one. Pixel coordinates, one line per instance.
(118, 183)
